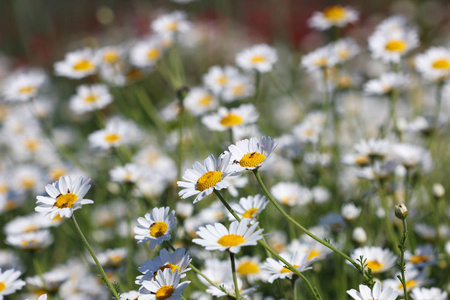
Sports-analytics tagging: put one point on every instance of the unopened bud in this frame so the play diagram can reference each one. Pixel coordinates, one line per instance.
(359, 235)
(401, 211)
(438, 191)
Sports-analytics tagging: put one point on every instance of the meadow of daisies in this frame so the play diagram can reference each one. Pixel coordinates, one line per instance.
(129, 172)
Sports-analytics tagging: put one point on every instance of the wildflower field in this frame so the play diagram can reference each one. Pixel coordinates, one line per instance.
(234, 149)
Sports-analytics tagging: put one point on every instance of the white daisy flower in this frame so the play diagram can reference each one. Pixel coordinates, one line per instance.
(276, 269)
(199, 100)
(90, 98)
(64, 196)
(171, 24)
(378, 260)
(260, 58)
(366, 294)
(434, 64)
(373, 147)
(307, 245)
(31, 241)
(178, 260)
(112, 258)
(432, 293)
(337, 15)
(131, 295)
(26, 224)
(324, 57)
(77, 64)
(218, 237)
(238, 87)
(110, 55)
(291, 193)
(251, 154)
(413, 279)
(249, 207)
(146, 53)
(117, 132)
(23, 86)
(10, 282)
(228, 118)
(166, 285)
(386, 83)
(217, 78)
(350, 212)
(250, 268)
(41, 297)
(423, 256)
(204, 179)
(345, 49)
(411, 156)
(127, 173)
(155, 227)
(50, 281)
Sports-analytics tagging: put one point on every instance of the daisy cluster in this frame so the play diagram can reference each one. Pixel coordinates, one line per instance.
(193, 164)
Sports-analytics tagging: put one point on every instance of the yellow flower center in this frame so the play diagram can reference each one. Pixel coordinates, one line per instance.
(442, 64)
(345, 81)
(91, 98)
(2, 286)
(30, 228)
(247, 268)
(321, 62)
(112, 137)
(238, 90)
(55, 173)
(168, 266)
(409, 284)
(250, 212)
(419, 259)
(111, 56)
(4, 188)
(164, 292)
(287, 199)
(28, 183)
(153, 54)
(252, 159)
(313, 253)
(222, 80)
(32, 144)
(66, 200)
(286, 270)
(27, 243)
(172, 26)
(116, 258)
(10, 204)
(158, 229)
(83, 65)
(343, 53)
(27, 90)
(258, 59)
(374, 265)
(362, 160)
(231, 240)
(207, 180)
(206, 100)
(334, 13)
(231, 120)
(395, 46)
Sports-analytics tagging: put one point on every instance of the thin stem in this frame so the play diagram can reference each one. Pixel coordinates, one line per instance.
(86, 243)
(257, 84)
(438, 103)
(267, 247)
(38, 271)
(233, 270)
(401, 264)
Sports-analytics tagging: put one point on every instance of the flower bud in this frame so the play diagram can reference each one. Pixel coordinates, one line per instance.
(359, 235)
(438, 191)
(401, 211)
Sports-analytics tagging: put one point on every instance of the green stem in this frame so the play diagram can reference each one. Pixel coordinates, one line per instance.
(86, 243)
(438, 103)
(275, 254)
(38, 271)
(233, 270)
(257, 84)
(402, 258)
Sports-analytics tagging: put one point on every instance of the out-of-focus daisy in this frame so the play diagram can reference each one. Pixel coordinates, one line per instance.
(423, 256)
(128, 173)
(259, 58)
(238, 87)
(50, 281)
(225, 119)
(276, 269)
(250, 154)
(378, 260)
(112, 258)
(90, 98)
(337, 15)
(41, 297)
(171, 24)
(425, 231)
(166, 286)
(413, 278)
(359, 235)
(345, 49)
(365, 293)
(178, 260)
(291, 193)
(411, 156)
(23, 86)
(250, 268)
(217, 78)
(434, 64)
(77, 64)
(350, 212)
(110, 55)
(31, 241)
(64, 196)
(146, 53)
(199, 100)
(321, 58)
(10, 282)
(249, 207)
(432, 293)
(386, 83)
(310, 246)
(131, 295)
(155, 227)
(117, 132)
(373, 148)
(26, 224)
(218, 237)
(202, 180)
